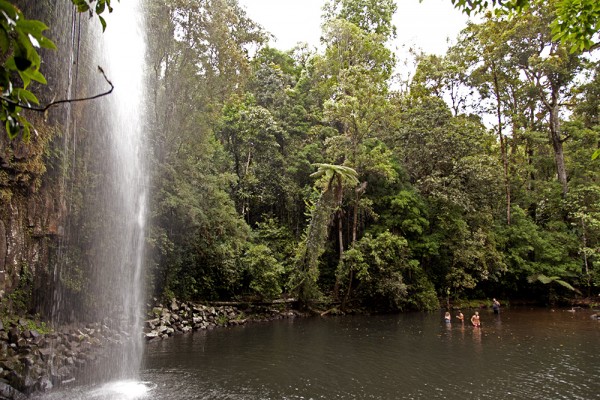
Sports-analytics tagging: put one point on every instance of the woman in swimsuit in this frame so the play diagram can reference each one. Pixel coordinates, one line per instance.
(475, 320)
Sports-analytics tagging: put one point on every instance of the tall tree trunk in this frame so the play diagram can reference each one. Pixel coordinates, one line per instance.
(557, 145)
(585, 257)
(336, 286)
(503, 146)
(358, 193)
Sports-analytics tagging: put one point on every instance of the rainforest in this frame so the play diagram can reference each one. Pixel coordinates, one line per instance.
(318, 174)
(164, 169)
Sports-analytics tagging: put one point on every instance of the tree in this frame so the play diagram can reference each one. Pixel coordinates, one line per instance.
(523, 46)
(371, 16)
(552, 75)
(332, 179)
(197, 52)
(352, 79)
(576, 22)
(386, 278)
(253, 137)
(444, 77)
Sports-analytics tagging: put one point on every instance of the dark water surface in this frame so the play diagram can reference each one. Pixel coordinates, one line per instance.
(521, 354)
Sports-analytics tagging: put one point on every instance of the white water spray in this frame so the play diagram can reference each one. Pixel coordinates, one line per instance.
(118, 262)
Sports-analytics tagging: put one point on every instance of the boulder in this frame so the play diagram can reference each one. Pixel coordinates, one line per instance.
(44, 384)
(9, 392)
(151, 335)
(174, 305)
(13, 334)
(46, 354)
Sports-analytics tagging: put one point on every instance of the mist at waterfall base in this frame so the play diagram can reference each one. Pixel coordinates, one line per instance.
(116, 198)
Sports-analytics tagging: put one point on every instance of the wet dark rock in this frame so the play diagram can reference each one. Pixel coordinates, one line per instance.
(9, 392)
(46, 354)
(13, 334)
(9, 364)
(27, 360)
(44, 384)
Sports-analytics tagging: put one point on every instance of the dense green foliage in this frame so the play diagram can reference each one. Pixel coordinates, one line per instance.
(307, 173)
(575, 23)
(303, 173)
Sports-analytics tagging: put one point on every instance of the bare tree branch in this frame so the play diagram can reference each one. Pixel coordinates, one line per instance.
(54, 103)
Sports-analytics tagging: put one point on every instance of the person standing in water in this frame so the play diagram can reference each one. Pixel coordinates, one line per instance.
(461, 316)
(475, 320)
(496, 306)
(447, 317)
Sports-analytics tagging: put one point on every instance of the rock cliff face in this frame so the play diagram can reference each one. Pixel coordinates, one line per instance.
(32, 215)
(33, 174)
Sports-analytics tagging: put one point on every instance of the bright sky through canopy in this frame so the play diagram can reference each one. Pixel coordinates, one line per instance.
(426, 25)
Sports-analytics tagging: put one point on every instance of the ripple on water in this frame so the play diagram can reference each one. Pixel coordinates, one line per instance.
(117, 390)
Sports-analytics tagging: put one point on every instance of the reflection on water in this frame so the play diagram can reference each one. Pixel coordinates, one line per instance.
(522, 354)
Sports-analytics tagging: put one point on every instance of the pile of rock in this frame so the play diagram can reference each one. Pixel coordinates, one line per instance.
(185, 317)
(31, 361)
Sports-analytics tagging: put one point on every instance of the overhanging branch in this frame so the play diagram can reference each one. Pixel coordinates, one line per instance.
(54, 103)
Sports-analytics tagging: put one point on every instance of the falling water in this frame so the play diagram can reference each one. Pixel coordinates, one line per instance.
(120, 52)
(108, 222)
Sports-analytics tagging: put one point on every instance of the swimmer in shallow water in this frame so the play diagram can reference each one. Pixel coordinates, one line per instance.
(496, 306)
(475, 320)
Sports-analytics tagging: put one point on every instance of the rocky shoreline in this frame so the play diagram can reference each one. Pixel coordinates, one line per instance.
(185, 317)
(33, 362)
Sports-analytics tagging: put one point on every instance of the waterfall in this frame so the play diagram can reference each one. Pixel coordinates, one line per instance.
(99, 272)
(120, 52)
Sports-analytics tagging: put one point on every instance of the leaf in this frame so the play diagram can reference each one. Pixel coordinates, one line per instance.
(26, 96)
(596, 154)
(26, 132)
(82, 5)
(4, 41)
(36, 76)
(9, 11)
(102, 22)
(100, 6)
(25, 78)
(11, 129)
(545, 279)
(47, 43)
(567, 285)
(32, 26)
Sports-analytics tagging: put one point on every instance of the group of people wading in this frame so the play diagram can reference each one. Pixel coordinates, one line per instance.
(475, 317)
